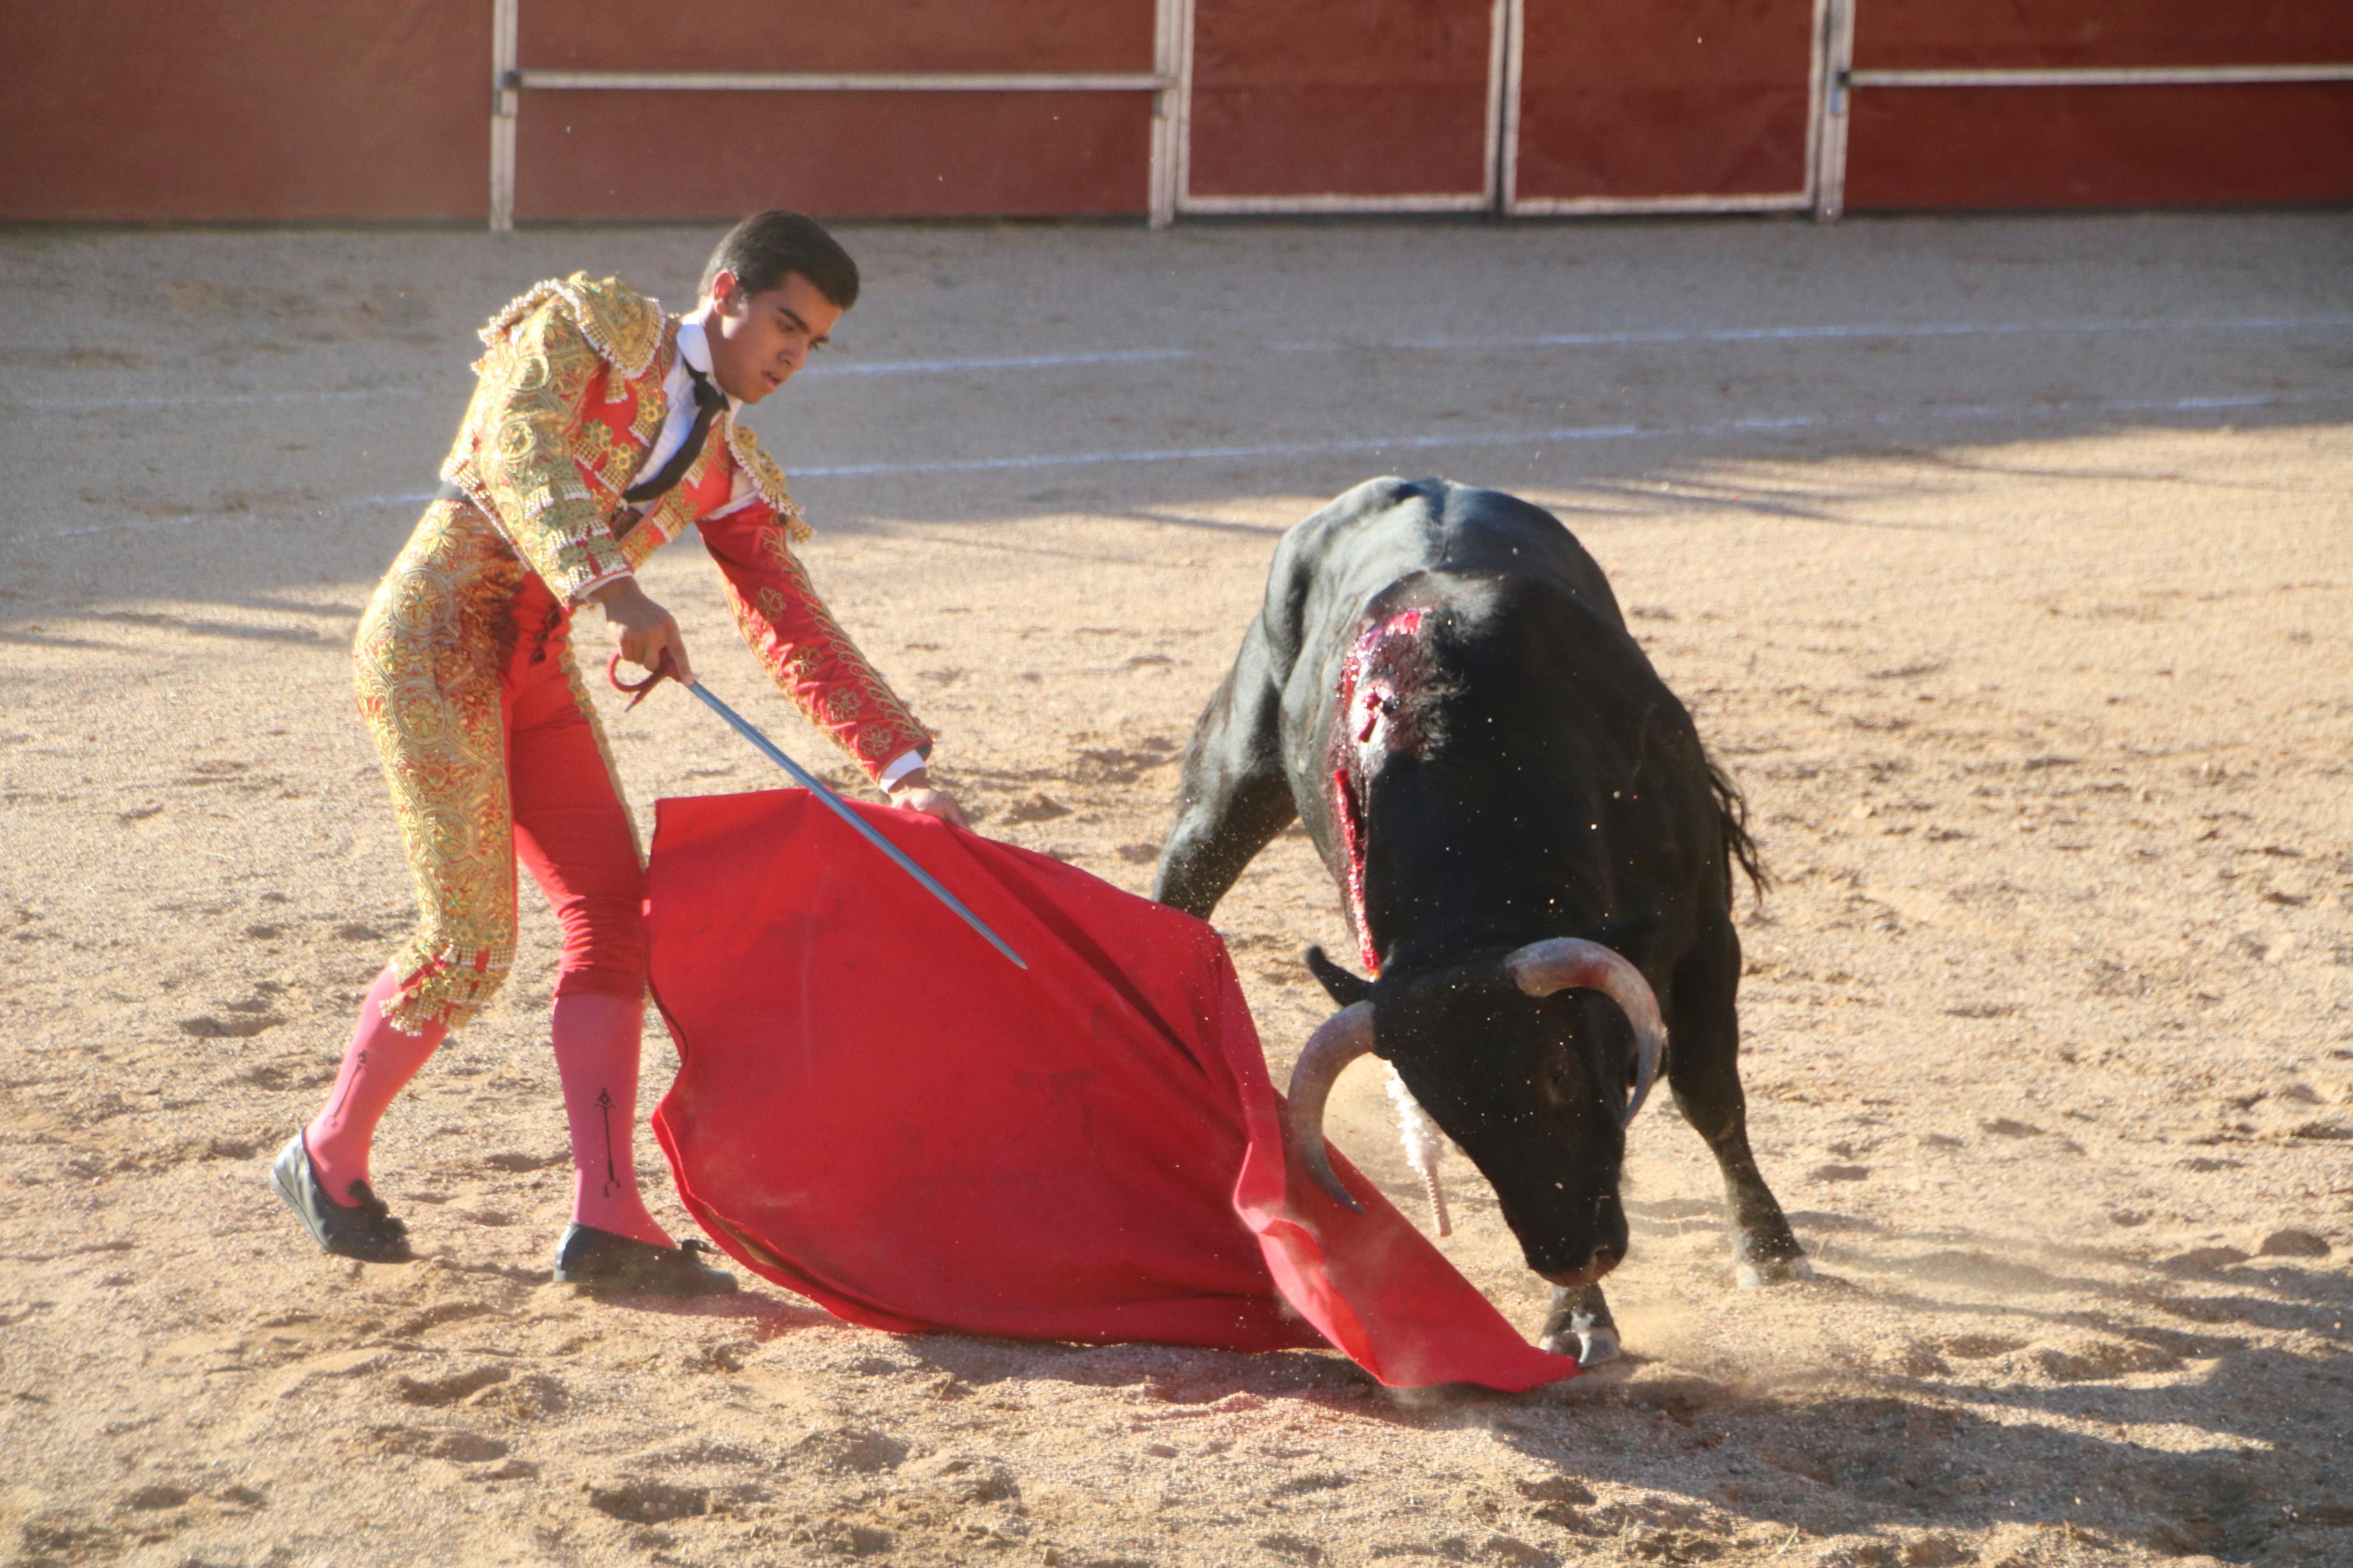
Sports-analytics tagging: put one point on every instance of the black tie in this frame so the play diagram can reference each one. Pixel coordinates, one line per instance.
(708, 401)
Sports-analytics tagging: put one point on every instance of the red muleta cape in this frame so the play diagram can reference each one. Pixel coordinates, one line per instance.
(874, 1109)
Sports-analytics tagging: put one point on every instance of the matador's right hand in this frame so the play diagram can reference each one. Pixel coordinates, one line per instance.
(643, 631)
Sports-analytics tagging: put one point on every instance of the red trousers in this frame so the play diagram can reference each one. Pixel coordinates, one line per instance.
(572, 831)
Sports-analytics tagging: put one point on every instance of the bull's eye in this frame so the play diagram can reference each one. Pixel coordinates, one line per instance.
(1561, 1080)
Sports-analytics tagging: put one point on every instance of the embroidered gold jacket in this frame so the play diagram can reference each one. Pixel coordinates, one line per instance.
(568, 402)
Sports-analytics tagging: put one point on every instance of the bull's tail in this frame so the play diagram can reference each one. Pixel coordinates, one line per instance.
(1732, 817)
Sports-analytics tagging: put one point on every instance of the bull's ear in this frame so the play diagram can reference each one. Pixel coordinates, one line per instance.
(1345, 988)
(1619, 933)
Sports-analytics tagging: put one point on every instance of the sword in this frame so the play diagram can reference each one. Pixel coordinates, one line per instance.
(818, 787)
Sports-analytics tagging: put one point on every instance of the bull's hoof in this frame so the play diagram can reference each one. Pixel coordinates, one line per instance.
(1590, 1348)
(1754, 1274)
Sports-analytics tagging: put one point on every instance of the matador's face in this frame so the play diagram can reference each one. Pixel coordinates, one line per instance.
(759, 341)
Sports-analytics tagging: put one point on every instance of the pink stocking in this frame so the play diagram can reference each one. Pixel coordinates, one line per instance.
(377, 1066)
(596, 1055)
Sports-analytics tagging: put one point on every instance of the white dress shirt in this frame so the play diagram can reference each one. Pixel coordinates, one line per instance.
(677, 423)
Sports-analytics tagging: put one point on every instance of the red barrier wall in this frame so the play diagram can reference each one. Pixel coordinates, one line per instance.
(830, 36)
(1666, 98)
(1339, 97)
(283, 110)
(717, 154)
(246, 109)
(711, 154)
(1924, 34)
(278, 110)
(2099, 146)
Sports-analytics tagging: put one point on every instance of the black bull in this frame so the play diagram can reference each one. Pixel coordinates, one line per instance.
(1439, 685)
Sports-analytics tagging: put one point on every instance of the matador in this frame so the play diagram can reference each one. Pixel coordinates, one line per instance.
(600, 428)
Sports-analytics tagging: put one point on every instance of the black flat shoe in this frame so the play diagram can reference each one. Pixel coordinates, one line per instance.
(363, 1229)
(599, 1260)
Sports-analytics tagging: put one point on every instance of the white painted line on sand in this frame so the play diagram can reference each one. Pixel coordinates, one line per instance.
(1750, 425)
(1834, 331)
(1830, 332)
(840, 366)
(1825, 332)
(218, 399)
(191, 520)
(1204, 454)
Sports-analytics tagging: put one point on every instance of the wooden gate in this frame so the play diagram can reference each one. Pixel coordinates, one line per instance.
(1664, 106)
(1322, 106)
(1518, 106)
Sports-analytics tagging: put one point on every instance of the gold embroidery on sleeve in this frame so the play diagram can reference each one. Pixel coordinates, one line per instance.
(823, 672)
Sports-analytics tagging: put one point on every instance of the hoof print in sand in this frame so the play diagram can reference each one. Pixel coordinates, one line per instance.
(1560, 1502)
(964, 1479)
(2091, 1361)
(286, 1073)
(435, 1316)
(533, 1396)
(853, 1448)
(1037, 808)
(515, 1161)
(1979, 1347)
(510, 1470)
(849, 1537)
(212, 1026)
(449, 1390)
(2293, 1243)
(433, 1443)
(727, 1356)
(640, 1501)
(1911, 1359)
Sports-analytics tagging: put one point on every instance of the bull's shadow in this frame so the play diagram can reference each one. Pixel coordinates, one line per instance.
(2146, 1420)
(1900, 1458)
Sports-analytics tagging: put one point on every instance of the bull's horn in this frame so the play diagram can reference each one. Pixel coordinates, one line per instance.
(1337, 1041)
(1542, 968)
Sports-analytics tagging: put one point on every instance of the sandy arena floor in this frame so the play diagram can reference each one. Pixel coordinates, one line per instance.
(2009, 564)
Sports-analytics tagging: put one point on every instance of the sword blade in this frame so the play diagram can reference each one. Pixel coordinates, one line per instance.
(839, 807)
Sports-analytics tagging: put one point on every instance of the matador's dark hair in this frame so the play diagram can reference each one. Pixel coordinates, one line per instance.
(766, 245)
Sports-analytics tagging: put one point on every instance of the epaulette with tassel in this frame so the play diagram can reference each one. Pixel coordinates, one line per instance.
(769, 479)
(621, 324)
